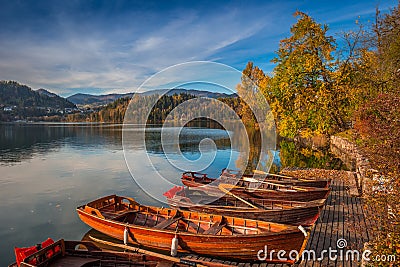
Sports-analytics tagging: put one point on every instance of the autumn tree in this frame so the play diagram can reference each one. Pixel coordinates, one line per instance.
(383, 57)
(305, 98)
(249, 90)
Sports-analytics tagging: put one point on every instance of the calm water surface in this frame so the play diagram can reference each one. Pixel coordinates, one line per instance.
(47, 170)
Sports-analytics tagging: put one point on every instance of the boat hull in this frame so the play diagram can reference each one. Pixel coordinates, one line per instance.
(88, 254)
(305, 216)
(237, 247)
(245, 180)
(308, 194)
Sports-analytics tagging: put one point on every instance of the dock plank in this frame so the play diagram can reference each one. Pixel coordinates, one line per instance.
(342, 214)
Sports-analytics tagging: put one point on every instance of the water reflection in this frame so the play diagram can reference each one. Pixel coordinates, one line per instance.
(294, 155)
(19, 142)
(189, 139)
(47, 170)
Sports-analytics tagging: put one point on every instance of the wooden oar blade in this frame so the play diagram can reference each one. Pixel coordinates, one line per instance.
(223, 189)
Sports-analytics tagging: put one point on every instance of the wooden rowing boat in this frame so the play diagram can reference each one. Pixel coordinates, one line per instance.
(189, 231)
(83, 253)
(245, 180)
(288, 212)
(275, 178)
(266, 190)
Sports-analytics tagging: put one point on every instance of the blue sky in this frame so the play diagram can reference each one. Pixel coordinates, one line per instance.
(113, 46)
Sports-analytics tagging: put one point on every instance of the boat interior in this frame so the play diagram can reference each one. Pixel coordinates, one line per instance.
(128, 211)
(81, 253)
(235, 203)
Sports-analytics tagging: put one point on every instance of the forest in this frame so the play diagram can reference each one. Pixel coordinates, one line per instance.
(115, 111)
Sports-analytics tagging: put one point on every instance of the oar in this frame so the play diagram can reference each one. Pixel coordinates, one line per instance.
(282, 176)
(221, 187)
(190, 262)
(248, 179)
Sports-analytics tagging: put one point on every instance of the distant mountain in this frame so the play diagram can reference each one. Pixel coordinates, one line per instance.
(19, 102)
(197, 93)
(22, 96)
(87, 99)
(42, 91)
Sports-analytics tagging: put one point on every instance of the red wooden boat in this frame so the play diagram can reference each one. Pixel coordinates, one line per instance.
(204, 234)
(289, 212)
(78, 254)
(23, 253)
(266, 190)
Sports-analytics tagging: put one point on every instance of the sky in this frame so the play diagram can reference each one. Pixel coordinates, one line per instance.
(99, 47)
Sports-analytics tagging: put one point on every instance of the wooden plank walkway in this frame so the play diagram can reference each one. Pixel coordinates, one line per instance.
(342, 226)
(342, 220)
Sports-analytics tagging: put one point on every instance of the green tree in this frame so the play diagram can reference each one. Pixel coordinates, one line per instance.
(304, 97)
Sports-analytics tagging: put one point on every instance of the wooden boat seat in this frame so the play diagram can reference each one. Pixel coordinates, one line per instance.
(168, 222)
(215, 228)
(119, 214)
(72, 261)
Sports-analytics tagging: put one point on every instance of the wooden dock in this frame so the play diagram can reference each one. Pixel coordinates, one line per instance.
(341, 219)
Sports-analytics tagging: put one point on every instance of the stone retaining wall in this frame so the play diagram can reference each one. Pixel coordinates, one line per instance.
(349, 153)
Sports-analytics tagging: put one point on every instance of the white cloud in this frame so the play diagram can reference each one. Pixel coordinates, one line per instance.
(119, 54)
(109, 59)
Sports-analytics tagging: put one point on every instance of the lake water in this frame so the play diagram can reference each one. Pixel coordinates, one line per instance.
(47, 170)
